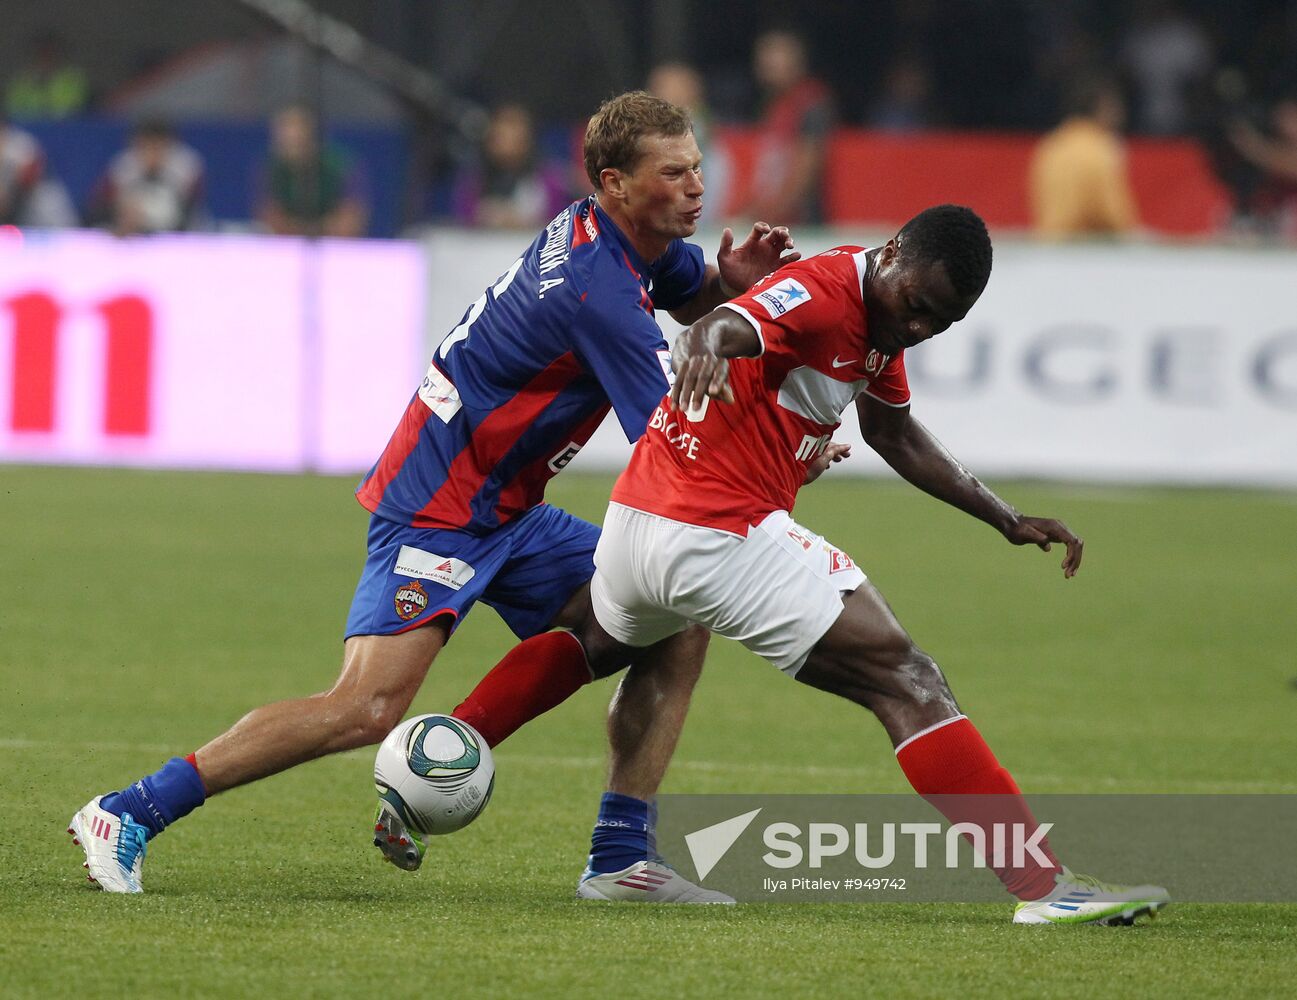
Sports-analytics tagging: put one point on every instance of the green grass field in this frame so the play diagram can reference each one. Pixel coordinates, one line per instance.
(141, 613)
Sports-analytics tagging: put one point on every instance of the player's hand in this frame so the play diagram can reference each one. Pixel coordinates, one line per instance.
(1040, 531)
(699, 376)
(835, 452)
(765, 250)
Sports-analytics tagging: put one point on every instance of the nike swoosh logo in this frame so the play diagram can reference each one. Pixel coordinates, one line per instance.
(842, 364)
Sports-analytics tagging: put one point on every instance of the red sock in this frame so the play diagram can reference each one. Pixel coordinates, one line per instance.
(534, 676)
(192, 760)
(951, 766)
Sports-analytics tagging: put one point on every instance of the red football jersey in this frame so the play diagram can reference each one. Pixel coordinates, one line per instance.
(730, 465)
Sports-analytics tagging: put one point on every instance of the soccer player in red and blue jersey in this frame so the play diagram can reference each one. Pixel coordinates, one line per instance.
(457, 502)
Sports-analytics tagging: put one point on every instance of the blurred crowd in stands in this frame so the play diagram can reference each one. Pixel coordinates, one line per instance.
(1083, 84)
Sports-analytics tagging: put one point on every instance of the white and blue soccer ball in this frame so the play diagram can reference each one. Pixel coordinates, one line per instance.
(435, 772)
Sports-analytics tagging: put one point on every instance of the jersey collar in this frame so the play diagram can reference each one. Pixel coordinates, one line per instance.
(606, 224)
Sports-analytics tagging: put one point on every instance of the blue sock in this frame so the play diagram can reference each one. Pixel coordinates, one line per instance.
(623, 833)
(161, 798)
(653, 831)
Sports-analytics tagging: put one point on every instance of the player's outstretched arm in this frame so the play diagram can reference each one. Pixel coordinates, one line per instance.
(766, 249)
(700, 357)
(909, 448)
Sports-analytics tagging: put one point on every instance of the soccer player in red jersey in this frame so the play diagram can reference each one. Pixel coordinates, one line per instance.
(700, 529)
(458, 513)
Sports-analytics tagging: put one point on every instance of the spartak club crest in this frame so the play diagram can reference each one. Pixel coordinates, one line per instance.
(411, 600)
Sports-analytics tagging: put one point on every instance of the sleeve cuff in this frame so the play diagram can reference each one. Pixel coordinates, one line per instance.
(756, 325)
(887, 402)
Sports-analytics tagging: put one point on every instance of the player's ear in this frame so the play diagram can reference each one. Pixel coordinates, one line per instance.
(612, 182)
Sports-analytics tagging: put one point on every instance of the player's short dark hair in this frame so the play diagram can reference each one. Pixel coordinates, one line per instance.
(612, 138)
(954, 235)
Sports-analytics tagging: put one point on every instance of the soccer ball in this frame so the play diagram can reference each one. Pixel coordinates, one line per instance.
(435, 772)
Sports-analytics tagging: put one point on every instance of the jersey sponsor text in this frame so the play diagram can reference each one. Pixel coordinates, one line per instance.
(812, 447)
(668, 424)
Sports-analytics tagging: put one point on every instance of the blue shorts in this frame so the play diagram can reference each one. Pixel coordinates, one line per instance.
(527, 570)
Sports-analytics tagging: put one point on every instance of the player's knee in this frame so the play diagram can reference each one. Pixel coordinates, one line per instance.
(678, 658)
(889, 671)
(913, 676)
(364, 720)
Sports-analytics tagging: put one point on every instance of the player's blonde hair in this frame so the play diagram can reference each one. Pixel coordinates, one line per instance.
(612, 138)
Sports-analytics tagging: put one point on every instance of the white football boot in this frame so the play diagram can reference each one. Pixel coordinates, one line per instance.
(1083, 899)
(646, 882)
(114, 847)
(396, 841)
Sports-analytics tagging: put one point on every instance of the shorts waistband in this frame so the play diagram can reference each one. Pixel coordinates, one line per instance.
(665, 523)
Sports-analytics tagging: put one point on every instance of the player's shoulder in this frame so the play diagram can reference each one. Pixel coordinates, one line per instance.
(576, 249)
(824, 278)
(829, 265)
(554, 268)
(835, 261)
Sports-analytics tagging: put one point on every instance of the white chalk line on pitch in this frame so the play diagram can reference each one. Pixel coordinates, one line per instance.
(525, 760)
(1036, 782)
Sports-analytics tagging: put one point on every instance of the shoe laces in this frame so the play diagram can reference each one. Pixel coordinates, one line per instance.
(132, 841)
(1096, 885)
(654, 858)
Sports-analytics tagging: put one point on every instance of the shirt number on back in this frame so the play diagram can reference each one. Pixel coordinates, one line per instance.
(461, 332)
(694, 415)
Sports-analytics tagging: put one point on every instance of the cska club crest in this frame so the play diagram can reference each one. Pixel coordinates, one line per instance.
(411, 600)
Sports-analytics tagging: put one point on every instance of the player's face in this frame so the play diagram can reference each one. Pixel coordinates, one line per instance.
(664, 194)
(909, 303)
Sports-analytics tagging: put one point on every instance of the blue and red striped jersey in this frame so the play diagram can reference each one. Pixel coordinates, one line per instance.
(515, 390)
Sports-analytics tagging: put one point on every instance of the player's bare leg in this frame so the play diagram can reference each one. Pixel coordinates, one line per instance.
(535, 676)
(380, 676)
(645, 718)
(648, 712)
(644, 723)
(868, 658)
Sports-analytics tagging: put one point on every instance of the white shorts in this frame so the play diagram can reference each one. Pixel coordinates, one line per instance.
(777, 591)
